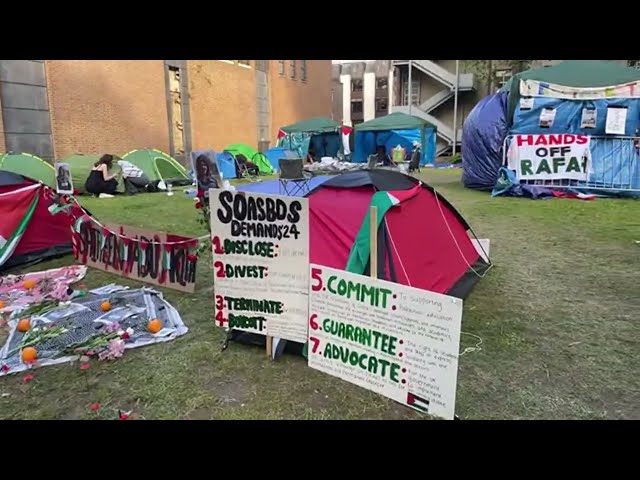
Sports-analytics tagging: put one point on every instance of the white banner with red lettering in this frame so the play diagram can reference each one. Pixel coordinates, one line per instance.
(550, 157)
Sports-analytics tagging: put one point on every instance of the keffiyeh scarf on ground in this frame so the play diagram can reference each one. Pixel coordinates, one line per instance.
(83, 319)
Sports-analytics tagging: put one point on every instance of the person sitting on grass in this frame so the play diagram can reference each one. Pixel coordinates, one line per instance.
(100, 181)
(135, 180)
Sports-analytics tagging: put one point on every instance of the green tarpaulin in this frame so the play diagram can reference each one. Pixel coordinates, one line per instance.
(394, 121)
(313, 125)
(252, 155)
(572, 73)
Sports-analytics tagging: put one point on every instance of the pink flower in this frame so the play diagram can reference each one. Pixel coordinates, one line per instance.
(85, 366)
(27, 378)
(94, 406)
(123, 415)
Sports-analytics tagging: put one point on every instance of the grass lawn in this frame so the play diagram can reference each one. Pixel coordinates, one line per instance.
(558, 319)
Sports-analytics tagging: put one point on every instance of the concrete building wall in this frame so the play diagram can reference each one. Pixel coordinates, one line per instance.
(337, 93)
(223, 104)
(107, 106)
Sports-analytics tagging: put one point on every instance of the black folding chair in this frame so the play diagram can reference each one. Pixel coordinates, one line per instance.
(372, 161)
(293, 179)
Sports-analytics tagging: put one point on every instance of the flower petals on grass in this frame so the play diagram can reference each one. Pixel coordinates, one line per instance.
(94, 406)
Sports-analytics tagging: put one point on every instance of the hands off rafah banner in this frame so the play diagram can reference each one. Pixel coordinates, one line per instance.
(550, 157)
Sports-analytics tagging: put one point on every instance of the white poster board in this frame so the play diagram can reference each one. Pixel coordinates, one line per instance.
(398, 341)
(550, 157)
(64, 182)
(616, 121)
(547, 117)
(589, 118)
(260, 248)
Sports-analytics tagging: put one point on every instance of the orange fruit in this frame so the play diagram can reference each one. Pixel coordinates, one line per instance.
(29, 284)
(24, 325)
(105, 306)
(29, 354)
(154, 326)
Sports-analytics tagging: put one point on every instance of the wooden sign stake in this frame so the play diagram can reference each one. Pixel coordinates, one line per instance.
(269, 346)
(373, 242)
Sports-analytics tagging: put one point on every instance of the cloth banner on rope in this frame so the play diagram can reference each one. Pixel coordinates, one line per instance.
(155, 257)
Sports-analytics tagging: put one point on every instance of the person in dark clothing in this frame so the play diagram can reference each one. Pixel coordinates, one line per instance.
(241, 161)
(100, 180)
(205, 176)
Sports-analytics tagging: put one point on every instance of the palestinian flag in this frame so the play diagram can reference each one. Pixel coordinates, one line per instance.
(16, 210)
(383, 201)
(361, 250)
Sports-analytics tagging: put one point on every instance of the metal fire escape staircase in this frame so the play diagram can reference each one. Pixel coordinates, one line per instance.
(425, 109)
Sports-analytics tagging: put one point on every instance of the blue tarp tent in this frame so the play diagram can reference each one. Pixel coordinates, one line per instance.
(565, 90)
(483, 133)
(274, 154)
(322, 134)
(393, 130)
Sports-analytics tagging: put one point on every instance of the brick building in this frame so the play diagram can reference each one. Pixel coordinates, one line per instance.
(53, 108)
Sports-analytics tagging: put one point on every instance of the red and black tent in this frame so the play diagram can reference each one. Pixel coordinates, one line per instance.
(29, 233)
(423, 241)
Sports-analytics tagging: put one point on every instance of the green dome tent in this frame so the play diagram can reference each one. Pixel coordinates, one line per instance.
(158, 165)
(81, 165)
(252, 155)
(29, 166)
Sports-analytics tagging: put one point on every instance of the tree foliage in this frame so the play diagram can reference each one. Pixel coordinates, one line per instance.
(485, 70)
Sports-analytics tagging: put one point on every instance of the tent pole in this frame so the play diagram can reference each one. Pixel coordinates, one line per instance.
(373, 242)
(455, 108)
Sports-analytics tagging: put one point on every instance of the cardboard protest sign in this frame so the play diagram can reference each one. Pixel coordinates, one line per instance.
(261, 260)
(550, 157)
(398, 341)
(157, 258)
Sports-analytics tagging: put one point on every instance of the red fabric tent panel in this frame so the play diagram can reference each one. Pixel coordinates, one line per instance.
(426, 248)
(44, 230)
(335, 217)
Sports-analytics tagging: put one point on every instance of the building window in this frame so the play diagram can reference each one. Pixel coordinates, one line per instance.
(382, 105)
(356, 85)
(245, 63)
(303, 70)
(292, 66)
(415, 92)
(382, 83)
(227, 61)
(281, 67)
(356, 107)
